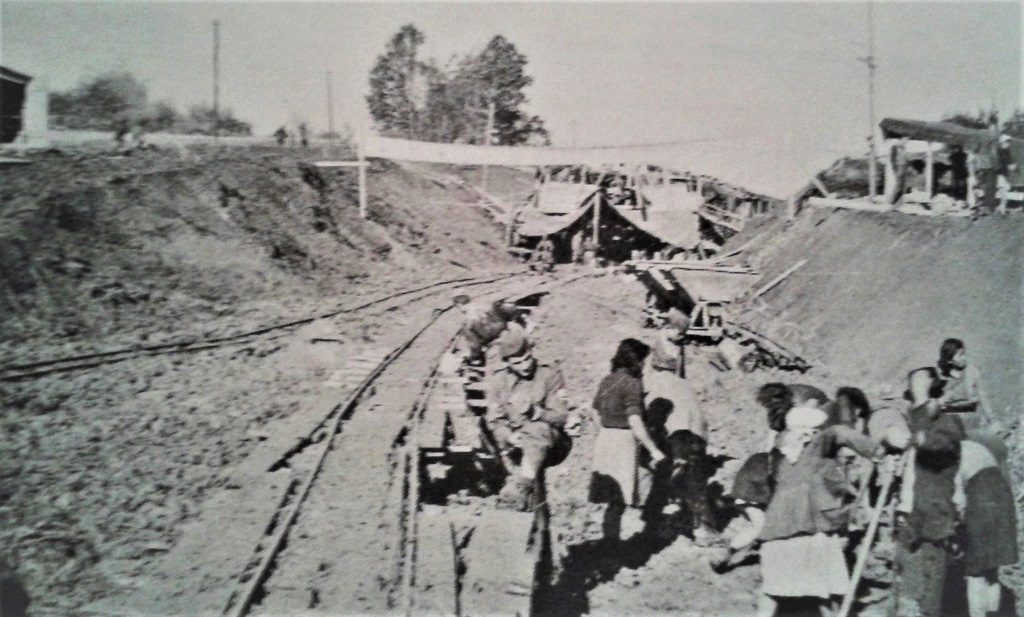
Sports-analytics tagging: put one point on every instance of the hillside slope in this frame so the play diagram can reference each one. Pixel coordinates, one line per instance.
(879, 293)
(123, 248)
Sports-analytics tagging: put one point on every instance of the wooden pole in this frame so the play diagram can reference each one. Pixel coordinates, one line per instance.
(330, 107)
(865, 547)
(870, 61)
(361, 153)
(216, 77)
(597, 222)
(971, 182)
(929, 170)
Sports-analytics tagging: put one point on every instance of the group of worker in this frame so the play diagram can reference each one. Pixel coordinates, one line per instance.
(931, 469)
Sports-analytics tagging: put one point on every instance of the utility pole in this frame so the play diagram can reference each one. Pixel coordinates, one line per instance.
(870, 62)
(487, 140)
(330, 108)
(216, 77)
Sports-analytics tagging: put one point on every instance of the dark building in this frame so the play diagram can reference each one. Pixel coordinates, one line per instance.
(12, 100)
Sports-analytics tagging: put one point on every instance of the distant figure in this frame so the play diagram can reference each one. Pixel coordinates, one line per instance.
(544, 255)
(303, 135)
(898, 160)
(1004, 166)
(281, 135)
(958, 164)
(122, 127)
(577, 246)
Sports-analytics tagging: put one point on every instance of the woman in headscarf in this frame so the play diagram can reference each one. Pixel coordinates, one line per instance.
(802, 543)
(619, 406)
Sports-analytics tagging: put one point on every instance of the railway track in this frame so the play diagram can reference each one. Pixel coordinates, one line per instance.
(350, 546)
(30, 370)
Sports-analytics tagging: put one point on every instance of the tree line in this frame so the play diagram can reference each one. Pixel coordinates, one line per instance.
(416, 98)
(115, 100)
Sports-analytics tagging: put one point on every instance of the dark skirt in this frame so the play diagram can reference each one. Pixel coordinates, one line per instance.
(991, 522)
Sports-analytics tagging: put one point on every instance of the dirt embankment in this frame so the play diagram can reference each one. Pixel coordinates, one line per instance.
(93, 244)
(879, 293)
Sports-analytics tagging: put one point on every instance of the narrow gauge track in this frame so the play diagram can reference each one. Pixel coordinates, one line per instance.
(16, 372)
(346, 547)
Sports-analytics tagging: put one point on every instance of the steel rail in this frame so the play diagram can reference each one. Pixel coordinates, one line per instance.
(238, 605)
(41, 368)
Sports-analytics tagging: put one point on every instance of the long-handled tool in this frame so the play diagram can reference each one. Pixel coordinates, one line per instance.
(865, 547)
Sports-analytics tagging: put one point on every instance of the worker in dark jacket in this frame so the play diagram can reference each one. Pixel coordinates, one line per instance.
(927, 526)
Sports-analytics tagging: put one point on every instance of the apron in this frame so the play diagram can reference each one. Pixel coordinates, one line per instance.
(614, 477)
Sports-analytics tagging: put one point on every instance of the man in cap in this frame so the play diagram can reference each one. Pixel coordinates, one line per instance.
(528, 417)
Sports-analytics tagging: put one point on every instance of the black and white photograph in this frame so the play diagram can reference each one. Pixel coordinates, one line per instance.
(336, 308)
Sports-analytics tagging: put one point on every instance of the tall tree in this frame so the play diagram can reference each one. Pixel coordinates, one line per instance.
(395, 84)
(497, 78)
(98, 103)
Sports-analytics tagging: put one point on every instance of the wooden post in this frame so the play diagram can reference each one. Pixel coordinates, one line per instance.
(929, 170)
(596, 200)
(971, 182)
(216, 78)
(361, 152)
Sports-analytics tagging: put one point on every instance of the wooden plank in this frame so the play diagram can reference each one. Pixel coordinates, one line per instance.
(501, 565)
(849, 204)
(467, 430)
(433, 427)
(780, 278)
(683, 265)
(436, 579)
(334, 164)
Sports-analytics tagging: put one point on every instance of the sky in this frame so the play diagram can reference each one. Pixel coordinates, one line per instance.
(768, 92)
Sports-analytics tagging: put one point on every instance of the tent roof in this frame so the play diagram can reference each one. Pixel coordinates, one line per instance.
(536, 222)
(944, 132)
(562, 197)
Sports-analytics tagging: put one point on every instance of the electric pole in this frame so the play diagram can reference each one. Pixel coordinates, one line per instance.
(330, 107)
(216, 77)
(870, 62)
